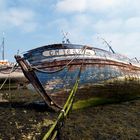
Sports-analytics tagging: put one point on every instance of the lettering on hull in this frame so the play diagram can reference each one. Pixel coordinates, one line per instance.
(65, 52)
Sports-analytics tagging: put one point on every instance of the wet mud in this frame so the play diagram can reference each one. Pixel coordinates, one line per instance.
(22, 117)
(108, 122)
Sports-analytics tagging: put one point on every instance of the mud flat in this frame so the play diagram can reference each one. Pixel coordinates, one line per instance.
(108, 122)
(22, 118)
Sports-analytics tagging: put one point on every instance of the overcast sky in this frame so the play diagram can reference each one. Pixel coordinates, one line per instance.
(31, 23)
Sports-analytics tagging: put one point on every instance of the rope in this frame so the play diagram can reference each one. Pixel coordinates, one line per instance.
(64, 111)
(12, 70)
(53, 131)
(50, 72)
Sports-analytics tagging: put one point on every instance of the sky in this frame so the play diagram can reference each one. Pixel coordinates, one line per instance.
(28, 24)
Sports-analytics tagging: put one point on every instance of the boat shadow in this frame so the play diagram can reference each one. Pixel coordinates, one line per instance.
(36, 105)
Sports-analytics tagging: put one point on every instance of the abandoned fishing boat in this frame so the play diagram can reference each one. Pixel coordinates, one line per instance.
(8, 70)
(53, 70)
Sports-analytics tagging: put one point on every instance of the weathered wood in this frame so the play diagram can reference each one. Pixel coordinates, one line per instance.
(52, 70)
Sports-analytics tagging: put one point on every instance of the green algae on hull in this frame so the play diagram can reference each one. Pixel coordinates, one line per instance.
(90, 102)
(98, 101)
(110, 91)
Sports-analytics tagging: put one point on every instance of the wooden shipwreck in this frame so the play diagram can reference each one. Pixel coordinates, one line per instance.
(53, 69)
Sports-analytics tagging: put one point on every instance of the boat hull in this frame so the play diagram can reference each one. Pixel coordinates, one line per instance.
(13, 78)
(96, 80)
(53, 73)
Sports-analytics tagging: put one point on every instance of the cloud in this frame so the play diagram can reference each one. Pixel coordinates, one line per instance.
(85, 5)
(108, 8)
(101, 5)
(71, 5)
(16, 17)
(113, 25)
(76, 26)
(133, 24)
(29, 3)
